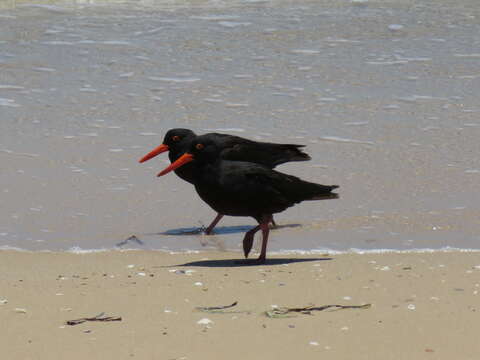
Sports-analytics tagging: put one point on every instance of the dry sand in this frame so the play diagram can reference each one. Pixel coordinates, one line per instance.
(424, 306)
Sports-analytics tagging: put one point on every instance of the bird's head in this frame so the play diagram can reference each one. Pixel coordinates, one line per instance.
(174, 140)
(202, 150)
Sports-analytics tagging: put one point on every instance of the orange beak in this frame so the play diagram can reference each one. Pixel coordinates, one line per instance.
(182, 160)
(158, 150)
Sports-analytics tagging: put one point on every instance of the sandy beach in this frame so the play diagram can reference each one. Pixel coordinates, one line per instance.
(384, 95)
(423, 306)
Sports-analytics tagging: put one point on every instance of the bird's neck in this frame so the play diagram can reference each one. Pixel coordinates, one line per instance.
(206, 173)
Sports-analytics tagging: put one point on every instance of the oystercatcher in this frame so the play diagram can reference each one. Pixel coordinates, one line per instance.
(177, 142)
(239, 188)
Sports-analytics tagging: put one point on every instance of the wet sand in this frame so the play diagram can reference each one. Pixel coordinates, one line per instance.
(423, 306)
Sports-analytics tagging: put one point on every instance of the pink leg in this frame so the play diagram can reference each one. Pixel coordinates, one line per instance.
(215, 221)
(248, 240)
(265, 230)
(274, 224)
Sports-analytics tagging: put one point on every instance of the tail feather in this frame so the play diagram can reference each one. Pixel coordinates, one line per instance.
(323, 192)
(299, 190)
(297, 151)
(326, 196)
(291, 152)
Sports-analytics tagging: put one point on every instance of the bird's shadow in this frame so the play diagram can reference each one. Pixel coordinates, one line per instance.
(253, 262)
(219, 230)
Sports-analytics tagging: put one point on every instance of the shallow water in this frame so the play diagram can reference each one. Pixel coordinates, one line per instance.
(383, 93)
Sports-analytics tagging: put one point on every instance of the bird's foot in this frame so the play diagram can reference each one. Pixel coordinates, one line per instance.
(248, 240)
(208, 231)
(247, 245)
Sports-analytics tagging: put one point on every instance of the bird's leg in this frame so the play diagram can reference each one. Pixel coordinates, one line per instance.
(215, 221)
(274, 224)
(265, 230)
(248, 240)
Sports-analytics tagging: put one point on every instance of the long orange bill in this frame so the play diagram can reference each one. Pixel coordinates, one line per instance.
(158, 150)
(182, 160)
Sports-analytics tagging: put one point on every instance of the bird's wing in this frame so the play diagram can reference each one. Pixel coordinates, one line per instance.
(258, 183)
(236, 148)
(288, 189)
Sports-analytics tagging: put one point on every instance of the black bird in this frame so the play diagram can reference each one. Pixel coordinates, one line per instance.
(239, 188)
(235, 148)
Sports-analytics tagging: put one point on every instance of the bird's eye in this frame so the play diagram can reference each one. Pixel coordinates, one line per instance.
(176, 138)
(199, 146)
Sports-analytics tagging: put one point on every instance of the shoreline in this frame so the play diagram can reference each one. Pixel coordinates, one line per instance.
(423, 305)
(353, 251)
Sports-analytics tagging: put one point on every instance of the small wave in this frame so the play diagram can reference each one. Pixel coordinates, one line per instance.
(321, 251)
(445, 249)
(345, 140)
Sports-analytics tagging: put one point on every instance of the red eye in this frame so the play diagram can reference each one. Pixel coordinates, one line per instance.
(199, 146)
(176, 138)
